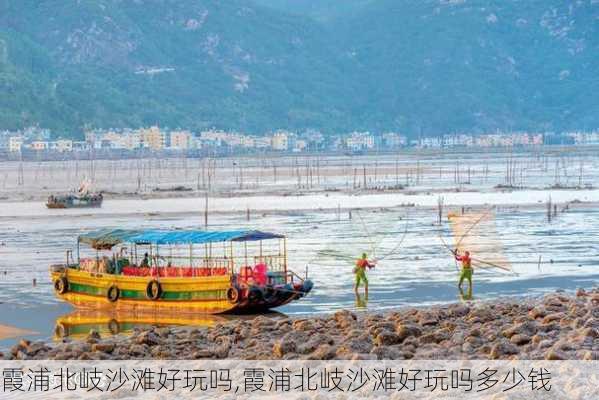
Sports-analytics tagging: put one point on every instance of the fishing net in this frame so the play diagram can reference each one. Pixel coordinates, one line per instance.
(477, 233)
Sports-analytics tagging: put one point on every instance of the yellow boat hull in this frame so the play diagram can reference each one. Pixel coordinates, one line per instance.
(179, 294)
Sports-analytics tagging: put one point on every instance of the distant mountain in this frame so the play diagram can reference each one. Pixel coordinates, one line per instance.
(421, 67)
(322, 10)
(476, 65)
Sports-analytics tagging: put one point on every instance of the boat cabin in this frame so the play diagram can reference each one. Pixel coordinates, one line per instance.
(251, 256)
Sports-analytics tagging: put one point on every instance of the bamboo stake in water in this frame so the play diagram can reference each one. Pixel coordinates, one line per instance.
(206, 211)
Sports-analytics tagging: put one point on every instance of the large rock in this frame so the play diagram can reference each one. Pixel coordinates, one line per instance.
(589, 332)
(224, 344)
(323, 352)
(284, 345)
(138, 350)
(503, 350)
(556, 302)
(407, 330)
(103, 347)
(348, 348)
(386, 353)
(304, 325)
(538, 312)
(481, 315)
(528, 328)
(201, 354)
(345, 319)
(36, 347)
(459, 310)
(163, 332)
(475, 332)
(387, 338)
(379, 327)
(148, 338)
(93, 336)
(554, 354)
(520, 339)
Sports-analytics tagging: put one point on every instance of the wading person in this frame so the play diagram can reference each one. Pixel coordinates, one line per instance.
(360, 271)
(466, 272)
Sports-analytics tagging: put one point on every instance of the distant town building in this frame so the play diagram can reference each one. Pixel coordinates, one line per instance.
(432, 142)
(359, 141)
(62, 145)
(262, 142)
(180, 140)
(300, 145)
(15, 143)
(281, 140)
(152, 138)
(392, 140)
(81, 146)
(38, 145)
(584, 138)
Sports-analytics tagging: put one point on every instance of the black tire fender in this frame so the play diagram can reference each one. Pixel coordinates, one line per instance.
(233, 295)
(154, 290)
(113, 293)
(61, 285)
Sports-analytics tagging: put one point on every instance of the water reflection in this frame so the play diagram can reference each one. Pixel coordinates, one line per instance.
(361, 301)
(78, 324)
(466, 296)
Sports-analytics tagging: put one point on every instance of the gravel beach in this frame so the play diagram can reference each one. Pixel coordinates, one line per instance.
(554, 327)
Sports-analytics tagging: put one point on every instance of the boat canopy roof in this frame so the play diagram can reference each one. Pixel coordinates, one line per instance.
(107, 238)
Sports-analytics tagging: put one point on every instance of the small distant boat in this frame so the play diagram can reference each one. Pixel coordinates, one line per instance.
(193, 271)
(75, 201)
(82, 199)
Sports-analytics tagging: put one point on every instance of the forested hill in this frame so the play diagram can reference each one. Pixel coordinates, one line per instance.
(427, 66)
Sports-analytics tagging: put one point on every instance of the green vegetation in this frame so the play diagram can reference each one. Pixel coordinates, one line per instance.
(419, 67)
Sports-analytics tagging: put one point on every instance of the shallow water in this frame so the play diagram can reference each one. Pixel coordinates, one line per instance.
(420, 273)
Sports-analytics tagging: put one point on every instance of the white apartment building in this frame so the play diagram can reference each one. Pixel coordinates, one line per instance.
(15, 143)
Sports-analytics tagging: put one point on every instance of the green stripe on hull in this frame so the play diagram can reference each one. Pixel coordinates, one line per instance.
(203, 295)
(132, 294)
(139, 295)
(86, 289)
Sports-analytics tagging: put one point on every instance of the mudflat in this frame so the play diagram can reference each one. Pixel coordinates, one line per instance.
(7, 332)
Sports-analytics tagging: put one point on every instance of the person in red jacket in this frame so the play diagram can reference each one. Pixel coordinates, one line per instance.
(466, 272)
(360, 271)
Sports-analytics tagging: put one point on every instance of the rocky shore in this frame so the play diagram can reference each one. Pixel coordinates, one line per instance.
(555, 327)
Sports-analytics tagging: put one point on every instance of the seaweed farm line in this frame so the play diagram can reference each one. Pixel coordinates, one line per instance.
(541, 168)
(544, 255)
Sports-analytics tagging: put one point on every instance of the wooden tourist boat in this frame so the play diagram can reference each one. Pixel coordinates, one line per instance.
(192, 271)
